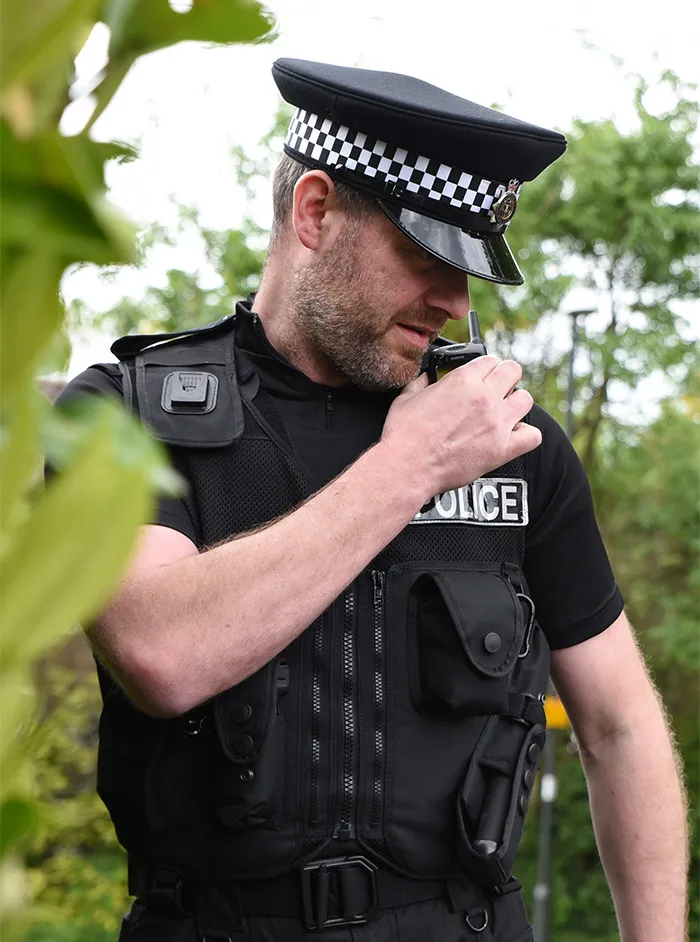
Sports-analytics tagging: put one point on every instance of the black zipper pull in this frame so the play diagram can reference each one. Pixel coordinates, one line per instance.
(378, 582)
(344, 832)
(282, 678)
(329, 410)
(281, 682)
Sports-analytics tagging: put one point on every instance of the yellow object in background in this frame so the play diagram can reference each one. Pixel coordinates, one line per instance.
(555, 713)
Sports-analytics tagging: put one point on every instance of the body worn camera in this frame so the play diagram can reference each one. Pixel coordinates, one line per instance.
(441, 358)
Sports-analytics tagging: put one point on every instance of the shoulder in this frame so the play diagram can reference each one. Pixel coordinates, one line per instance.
(553, 435)
(558, 487)
(97, 380)
(554, 467)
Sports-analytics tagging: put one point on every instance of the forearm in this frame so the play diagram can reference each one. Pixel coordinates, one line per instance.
(639, 816)
(202, 624)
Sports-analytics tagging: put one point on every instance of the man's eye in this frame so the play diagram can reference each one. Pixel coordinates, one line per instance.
(422, 256)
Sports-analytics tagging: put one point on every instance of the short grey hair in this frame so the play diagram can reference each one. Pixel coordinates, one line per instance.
(357, 204)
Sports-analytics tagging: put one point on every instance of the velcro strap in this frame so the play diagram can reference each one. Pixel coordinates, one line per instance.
(523, 706)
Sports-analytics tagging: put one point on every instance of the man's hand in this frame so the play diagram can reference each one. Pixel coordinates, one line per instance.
(463, 426)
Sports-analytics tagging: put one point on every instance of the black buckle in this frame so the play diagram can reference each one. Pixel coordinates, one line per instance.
(348, 883)
(166, 889)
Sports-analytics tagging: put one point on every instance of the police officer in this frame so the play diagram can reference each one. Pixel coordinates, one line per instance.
(323, 674)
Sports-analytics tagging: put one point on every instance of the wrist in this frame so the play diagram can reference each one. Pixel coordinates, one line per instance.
(399, 476)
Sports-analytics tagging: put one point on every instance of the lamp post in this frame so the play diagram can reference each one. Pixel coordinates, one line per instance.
(548, 781)
(574, 315)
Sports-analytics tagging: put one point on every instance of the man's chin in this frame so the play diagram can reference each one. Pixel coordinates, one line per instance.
(384, 366)
(404, 364)
(395, 375)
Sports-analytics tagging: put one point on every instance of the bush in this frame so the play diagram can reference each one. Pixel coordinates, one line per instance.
(75, 864)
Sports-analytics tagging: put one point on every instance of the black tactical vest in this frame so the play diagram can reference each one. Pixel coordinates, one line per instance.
(408, 718)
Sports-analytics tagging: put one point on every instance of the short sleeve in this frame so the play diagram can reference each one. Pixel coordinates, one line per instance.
(105, 379)
(566, 565)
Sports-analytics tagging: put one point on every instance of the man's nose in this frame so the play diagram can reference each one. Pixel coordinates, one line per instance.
(450, 293)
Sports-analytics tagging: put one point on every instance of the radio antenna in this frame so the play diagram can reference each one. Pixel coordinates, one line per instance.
(474, 329)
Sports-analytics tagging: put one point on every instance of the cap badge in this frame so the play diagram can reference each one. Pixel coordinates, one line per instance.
(504, 208)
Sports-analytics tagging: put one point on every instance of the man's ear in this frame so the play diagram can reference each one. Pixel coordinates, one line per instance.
(314, 199)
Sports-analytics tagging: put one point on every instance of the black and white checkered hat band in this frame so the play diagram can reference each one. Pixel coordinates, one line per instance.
(330, 144)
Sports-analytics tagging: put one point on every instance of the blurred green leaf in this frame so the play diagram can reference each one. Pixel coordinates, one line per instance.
(20, 457)
(34, 36)
(62, 548)
(54, 213)
(14, 896)
(55, 357)
(17, 818)
(53, 189)
(31, 312)
(145, 25)
(141, 27)
(78, 512)
(68, 429)
(17, 696)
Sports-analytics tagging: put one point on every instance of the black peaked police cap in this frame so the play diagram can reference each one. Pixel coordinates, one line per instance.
(446, 171)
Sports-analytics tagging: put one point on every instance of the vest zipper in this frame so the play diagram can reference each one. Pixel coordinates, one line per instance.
(346, 828)
(378, 579)
(329, 411)
(316, 721)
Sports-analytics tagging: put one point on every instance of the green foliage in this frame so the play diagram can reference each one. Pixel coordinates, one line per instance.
(62, 549)
(235, 256)
(619, 215)
(654, 528)
(581, 901)
(141, 26)
(76, 866)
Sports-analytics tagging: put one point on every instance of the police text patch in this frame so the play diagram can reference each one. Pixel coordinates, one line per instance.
(500, 502)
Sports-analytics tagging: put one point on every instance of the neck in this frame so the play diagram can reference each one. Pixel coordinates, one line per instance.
(274, 305)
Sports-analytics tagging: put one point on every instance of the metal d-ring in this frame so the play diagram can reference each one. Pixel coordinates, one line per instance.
(530, 624)
(471, 924)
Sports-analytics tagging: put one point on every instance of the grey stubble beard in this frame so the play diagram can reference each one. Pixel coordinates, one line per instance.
(333, 309)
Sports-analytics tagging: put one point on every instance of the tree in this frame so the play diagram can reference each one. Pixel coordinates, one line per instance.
(619, 214)
(235, 257)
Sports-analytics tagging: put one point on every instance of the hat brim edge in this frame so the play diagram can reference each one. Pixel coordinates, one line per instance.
(489, 258)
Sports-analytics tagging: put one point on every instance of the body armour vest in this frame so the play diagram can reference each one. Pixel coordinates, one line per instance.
(408, 718)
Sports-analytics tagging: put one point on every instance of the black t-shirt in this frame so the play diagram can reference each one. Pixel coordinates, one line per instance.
(566, 566)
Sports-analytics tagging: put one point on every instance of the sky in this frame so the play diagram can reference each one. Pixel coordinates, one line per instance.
(546, 62)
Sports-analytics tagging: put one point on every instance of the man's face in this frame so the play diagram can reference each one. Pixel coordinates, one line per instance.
(369, 304)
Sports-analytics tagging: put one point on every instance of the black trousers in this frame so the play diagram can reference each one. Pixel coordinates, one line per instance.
(498, 920)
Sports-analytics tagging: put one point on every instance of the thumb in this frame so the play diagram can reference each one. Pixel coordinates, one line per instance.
(415, 386)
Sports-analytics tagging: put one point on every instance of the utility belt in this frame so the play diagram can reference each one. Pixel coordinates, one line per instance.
(323, 894)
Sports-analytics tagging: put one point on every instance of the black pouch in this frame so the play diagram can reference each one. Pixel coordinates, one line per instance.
(251, 731)
(180, 782)
(467, 628)
(493, 800)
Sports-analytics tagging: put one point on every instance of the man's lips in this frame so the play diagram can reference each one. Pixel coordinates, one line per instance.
(418, 334)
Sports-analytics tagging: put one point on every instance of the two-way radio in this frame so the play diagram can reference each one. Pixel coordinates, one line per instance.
(445, 356)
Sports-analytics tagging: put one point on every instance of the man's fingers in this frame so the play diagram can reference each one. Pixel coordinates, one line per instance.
(480, 367)
(504, 376)
(519, 404)
(524, 438)
(410, 389)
